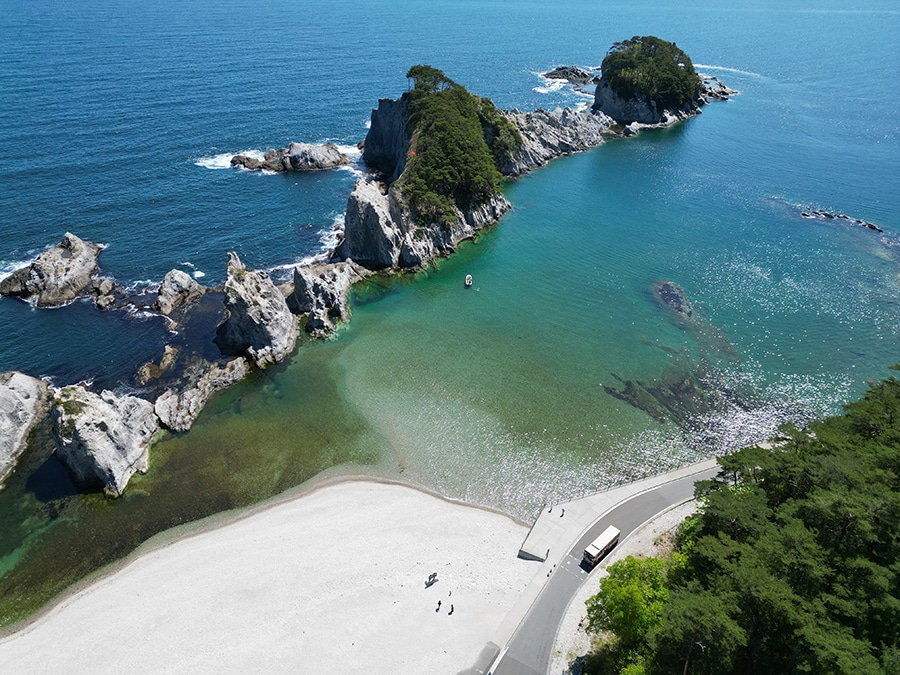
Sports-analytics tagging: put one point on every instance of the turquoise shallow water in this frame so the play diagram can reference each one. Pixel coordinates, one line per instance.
(498, 394)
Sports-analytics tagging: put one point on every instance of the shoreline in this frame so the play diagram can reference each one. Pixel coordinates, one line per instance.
(334, 476)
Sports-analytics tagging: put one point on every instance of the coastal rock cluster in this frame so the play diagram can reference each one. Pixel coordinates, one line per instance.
(821, 214)
(295, 157)
(550, 134)
(104, 438)
(573, 74)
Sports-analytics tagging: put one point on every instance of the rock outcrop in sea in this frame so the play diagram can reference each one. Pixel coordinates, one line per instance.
(177, 410)
(56, 276)
(295, 157)
(380, 233)
(22, 402)
(103, 439)
(258, 323)
(573, 74)
(177, 289)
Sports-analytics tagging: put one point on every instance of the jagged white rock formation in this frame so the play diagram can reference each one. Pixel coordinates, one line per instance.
(295, 157)
(550, 134)
(321, 291)
(259, 322)
(177, 288)
(22, 401)
(178, 410)
(380, 233)
(104, 439)
(57, 275)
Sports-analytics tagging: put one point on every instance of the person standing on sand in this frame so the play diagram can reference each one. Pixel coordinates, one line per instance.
(438, 607)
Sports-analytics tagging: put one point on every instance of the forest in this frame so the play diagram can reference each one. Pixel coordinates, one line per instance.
(790, 564)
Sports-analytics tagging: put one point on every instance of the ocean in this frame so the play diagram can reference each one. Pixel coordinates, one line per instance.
(118, 122)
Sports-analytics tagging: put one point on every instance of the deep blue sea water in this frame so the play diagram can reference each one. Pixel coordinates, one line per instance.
(116, 123)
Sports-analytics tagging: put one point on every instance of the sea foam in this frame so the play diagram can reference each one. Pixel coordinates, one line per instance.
(223, 160)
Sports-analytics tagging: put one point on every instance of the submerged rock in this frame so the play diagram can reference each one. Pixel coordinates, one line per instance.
(150, 371)
(295, 157)
(57, 275)
(671, 295)
(259, 322)
(105, 439)
(22, 402)
(178, 410)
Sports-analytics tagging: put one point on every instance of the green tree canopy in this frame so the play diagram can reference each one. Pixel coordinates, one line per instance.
(653, 69)
(456, 137)
(630, 599)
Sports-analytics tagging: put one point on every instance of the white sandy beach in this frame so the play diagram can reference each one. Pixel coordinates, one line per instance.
(333, 581)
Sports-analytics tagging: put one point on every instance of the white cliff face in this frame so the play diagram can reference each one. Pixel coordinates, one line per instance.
(259, 323)
(22, 401)
(104, 439)
(380, 233)
(178, 410)
(371, 237)
(177, 288)
(57, 275)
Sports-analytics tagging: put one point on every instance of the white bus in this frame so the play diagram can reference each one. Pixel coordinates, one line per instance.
(601, 546)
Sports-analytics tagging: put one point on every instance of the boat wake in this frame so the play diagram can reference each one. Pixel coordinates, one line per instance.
(704, 66)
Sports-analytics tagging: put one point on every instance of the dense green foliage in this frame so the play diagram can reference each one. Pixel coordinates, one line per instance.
(653, 69)
(455, 138)
(630, 600)
(791, 565)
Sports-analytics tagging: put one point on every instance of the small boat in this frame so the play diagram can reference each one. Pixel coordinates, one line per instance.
(468, 280)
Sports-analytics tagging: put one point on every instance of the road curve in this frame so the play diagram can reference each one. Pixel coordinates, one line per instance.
(528, 651)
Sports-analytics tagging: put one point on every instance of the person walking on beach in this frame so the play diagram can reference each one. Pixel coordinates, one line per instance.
(438, 607)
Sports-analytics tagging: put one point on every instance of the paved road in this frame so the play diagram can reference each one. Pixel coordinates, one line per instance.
(528, 651)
